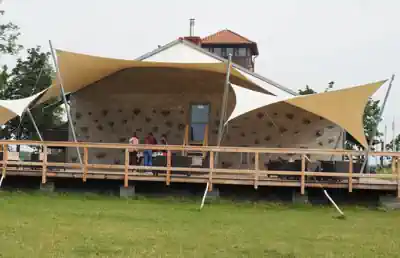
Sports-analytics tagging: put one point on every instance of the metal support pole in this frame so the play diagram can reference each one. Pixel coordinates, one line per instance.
(375, 129)
(223, 107)
(65, 100)
(394, 147)
(34, 123)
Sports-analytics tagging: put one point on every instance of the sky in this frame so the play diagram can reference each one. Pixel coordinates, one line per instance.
(301, 42)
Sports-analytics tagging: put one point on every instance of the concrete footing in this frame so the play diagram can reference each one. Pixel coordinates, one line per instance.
(389, 202)
(298, 198)
(213, 195)
(126, 192)
(49, 187)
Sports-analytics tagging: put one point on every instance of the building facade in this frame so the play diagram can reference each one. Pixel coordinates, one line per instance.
(113, 108)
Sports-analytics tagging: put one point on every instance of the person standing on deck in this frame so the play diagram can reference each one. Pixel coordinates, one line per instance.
(134, 140)
(148, 154)
(163, 141)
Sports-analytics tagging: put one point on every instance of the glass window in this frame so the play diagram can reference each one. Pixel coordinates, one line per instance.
(199, 117)
(200, 113)
(217, 51)
(210, 49)
(229, 50)
(242, 51)
(223, 52)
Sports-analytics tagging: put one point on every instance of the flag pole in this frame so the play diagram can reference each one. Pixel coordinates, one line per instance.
(65, 100)
(375, 129)
(223, 106)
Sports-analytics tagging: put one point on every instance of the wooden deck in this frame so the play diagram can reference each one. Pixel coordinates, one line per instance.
(255, 177)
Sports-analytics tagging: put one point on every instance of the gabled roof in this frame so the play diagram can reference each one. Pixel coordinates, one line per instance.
(218, 58)
(226, 37)
(229, 37)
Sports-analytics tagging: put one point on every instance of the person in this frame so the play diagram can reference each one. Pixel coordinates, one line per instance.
(163, 141)
(148, 154)
(134, 140)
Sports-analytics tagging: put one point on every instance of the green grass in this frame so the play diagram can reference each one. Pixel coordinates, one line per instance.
(34, 225)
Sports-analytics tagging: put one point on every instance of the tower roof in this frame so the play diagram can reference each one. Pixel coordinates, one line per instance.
(229, 37)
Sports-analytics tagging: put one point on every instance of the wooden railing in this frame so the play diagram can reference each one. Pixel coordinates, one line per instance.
(210, 174)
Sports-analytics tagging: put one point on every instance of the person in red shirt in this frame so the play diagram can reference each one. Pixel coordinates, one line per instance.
(148, 154)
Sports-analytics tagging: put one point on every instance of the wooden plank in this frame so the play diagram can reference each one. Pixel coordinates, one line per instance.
(24, 163)
(126, 179)
(257, 169)
(62, 165)
(85, 163)
(5, 160)
(205, 140)
(168, 178)
(210, 172)
(350, 173)
(303, 170)
(185, 139)
(44, 164)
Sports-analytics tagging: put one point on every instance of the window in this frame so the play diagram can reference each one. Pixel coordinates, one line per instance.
(217, 51)
(223, 52)
(211, 49)
(240, 51)
(229, 50)
(199, 116)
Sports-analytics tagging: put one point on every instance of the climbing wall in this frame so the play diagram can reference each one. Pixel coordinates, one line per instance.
(112, 109)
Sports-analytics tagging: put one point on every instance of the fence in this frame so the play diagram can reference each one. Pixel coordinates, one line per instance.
(210, 173)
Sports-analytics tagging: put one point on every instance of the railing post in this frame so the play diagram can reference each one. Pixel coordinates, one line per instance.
(398, 177)
(126, 178)
(168, 178)
(5, 159)
(257, 169)
(85, 163)
(303, 170)
(44, 165)
(211, 171)
(350, 173)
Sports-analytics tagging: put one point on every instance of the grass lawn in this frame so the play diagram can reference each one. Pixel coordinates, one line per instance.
(35, 225)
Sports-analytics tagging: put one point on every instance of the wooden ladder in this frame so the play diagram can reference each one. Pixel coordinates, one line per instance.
(186, 141)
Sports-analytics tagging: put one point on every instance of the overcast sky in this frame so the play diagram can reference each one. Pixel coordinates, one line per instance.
(301, 42)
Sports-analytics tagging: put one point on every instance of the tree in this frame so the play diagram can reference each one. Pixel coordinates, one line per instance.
(370, 117)
(307, 91)
(9, 34)
(396, 144)
(29, 76)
